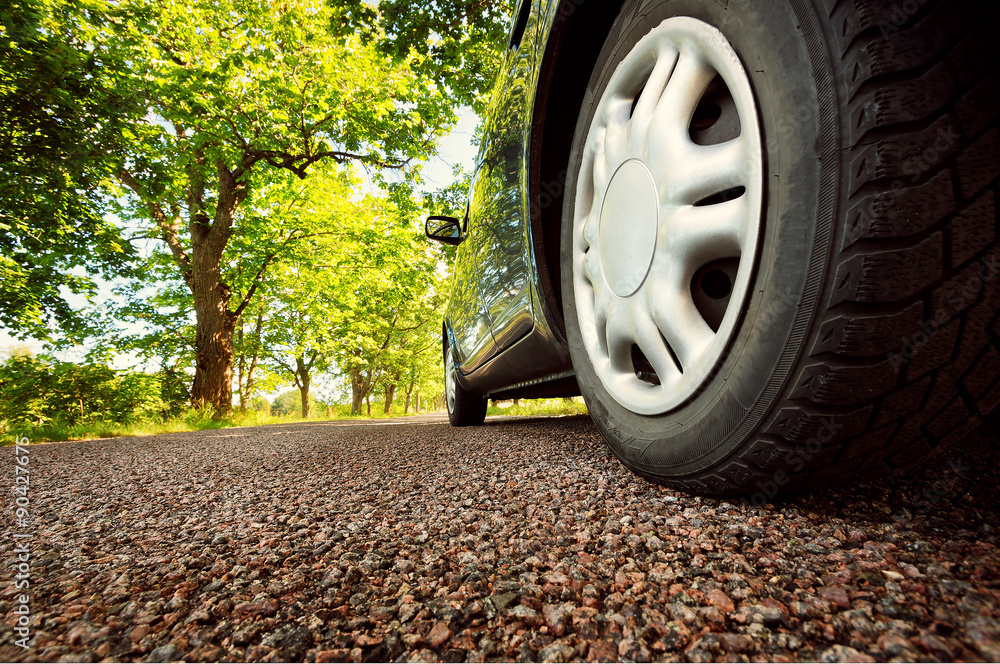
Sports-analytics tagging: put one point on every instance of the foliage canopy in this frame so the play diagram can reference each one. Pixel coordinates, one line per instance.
(66, 108)
(186, 125)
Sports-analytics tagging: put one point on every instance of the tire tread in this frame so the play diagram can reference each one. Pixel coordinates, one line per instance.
(908, 343)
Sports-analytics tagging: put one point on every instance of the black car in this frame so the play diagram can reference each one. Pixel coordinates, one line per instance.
(758, 237)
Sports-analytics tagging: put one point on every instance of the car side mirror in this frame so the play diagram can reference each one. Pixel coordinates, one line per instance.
(445, 229)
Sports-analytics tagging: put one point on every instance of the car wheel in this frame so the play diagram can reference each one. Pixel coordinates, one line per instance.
(465, 409)
(778, 247)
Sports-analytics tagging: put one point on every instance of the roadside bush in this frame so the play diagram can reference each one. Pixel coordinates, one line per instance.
(290, 403)
(38, 391)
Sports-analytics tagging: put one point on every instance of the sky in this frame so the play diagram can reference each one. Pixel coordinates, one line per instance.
(455, 149)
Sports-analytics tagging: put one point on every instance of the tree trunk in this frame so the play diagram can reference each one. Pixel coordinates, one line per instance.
(357, 391)
(303, 380)
(213, 376)
(306, 406)
(241, 371)
(368, 403)
(409, 397)
(245, 378)
(390, 391)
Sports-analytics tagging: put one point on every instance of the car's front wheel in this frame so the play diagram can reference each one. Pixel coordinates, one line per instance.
(778, 245)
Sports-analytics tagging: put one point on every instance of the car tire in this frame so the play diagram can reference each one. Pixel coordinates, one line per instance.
(465, 409)
(859, 334)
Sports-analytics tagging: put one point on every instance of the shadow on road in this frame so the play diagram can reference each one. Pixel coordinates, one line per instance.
(957, 493)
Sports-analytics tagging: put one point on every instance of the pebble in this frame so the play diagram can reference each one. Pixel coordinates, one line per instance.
(519, 540)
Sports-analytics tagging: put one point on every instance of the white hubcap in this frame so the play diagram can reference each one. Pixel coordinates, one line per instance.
(630, 219)
(660, 201)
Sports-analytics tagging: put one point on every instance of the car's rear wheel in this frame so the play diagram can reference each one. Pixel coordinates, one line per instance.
(465, 409)
(778, 243)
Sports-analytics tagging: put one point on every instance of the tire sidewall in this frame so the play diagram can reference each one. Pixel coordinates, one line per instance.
(470, 408)
(772, 44)
(454, 411)
(449, 352)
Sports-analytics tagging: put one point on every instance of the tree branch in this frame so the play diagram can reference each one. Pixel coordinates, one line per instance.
(168, 228)
(299, 163)
(268, 261)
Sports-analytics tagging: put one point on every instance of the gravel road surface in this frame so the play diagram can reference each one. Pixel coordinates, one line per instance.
(521, 540)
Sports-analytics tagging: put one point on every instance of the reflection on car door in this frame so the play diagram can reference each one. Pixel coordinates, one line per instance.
(499, 191)
(471, 323)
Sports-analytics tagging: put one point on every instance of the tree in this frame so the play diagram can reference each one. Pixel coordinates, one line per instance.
(242, 89)
(193, 108)
(299, 333)
(253, 376)
(463, 40)
(303, 309)
(288, 402)
(152, 320)
(391, 309)
(362, 260)
(424, 374)
(66, 108)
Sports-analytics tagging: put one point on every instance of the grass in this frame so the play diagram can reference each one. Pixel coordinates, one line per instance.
(189, 421)
(57, 431)
(203, 420)
(539, 407)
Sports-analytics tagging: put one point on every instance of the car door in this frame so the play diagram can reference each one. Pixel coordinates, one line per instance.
(470, 321)
(498, 197)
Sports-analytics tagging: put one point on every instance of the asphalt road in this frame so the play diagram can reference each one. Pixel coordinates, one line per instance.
(520, 540)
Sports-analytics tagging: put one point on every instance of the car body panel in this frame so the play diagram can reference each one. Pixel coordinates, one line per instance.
(498, 200)
(496, 265)
(468, 320)
(521, 370)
